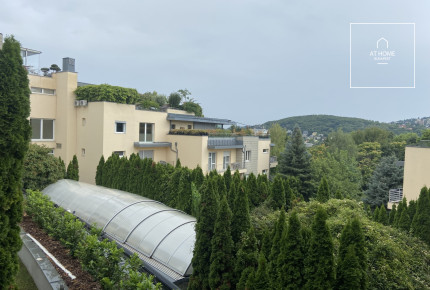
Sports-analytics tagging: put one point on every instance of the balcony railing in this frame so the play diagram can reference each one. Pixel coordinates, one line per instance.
(233, 167)
(224, 142)
(273, 159)
(395, 195)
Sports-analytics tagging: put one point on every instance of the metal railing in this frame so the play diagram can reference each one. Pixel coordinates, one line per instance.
(233, 167)
(273, 159)
(224, 141)
(395, 194)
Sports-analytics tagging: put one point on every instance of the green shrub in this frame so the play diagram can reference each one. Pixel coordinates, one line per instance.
(107, 93)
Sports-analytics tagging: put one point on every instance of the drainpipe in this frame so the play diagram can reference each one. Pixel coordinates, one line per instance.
(176, 151)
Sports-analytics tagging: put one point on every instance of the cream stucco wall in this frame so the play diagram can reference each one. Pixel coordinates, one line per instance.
(416, 171)
(263, 158)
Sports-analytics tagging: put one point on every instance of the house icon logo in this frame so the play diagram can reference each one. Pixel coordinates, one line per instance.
(381, 43)
(382, 55)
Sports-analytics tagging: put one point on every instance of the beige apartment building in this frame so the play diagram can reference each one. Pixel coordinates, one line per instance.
(92, 129)
(417, 170)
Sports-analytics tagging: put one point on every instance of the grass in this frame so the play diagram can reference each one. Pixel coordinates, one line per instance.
(23, 279)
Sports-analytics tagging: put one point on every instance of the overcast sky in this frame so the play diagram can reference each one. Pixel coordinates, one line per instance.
(248, 61)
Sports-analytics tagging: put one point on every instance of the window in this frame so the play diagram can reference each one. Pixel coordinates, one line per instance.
(173, 126)
(265, 150)
(265, 171)
(83, 152)
(51, 152)
(42, 129)
(226, 160)
(212, 161)
(119, 127)
(35, 90)
(84, 121)
(247, 156)
(119, 153)
(146, 154)
(146, 132)
(190, 127)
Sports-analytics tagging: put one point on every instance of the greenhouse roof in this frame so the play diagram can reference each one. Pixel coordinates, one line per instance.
(163, 237)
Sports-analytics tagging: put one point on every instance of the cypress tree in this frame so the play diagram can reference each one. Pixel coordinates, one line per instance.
(392, 215)
(262, 279)
(227, 178)
(222, 188)
(421, 223)
(291, 258)
(289, 195)
(404, 221)
(15, 136)
(63, 167)
(99, 172)
(198, 177)
(73, 169)
(251, 185)
(221, 259)
(246, 257)
(376, 214)
(348, 271)
(204, 233)
(412, 208)
(246, 278)
(266, 243)
(319, 263)
(262, 188)
(279, 229)
(241, 220)
(184, 192)
(277, 198)
(399, 211)
(173, 187)
(323, 194)
(338, 194)
(178, 164)
(231, 196)
(382, 215)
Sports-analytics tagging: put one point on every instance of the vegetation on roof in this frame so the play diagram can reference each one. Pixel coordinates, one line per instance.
(107, 93)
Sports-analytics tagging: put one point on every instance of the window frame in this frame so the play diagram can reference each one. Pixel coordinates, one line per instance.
(146, 132)
(41, 120)
(212, 161)
(225, 165)
(124, 123)
(42, 91)
(247, 155)
(265, 150)
(121, 154)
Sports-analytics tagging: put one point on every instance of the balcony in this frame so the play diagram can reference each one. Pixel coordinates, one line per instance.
(233, 167)
(224, 143)
(395, 195)
(273, 161)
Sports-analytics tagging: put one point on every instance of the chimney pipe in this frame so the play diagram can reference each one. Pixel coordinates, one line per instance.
(69, 64)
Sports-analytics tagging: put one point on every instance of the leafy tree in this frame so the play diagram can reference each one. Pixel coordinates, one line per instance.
(319, 263)
(55, 67)
(323, 194)
(277, 198)
(73, 169)
(221, 259)
(241, 220)
(278, 136)
(296, 161)
(174, 100)
(99, 172)
(339, 141)
(193, 107)
(204, 233)
(421, 223)
(40, 168)
(368, 157)
(291, 258)
(387, 175)
(15, 135)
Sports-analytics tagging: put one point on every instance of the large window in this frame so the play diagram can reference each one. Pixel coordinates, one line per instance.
(146, 154)
(212, 161)
(226, 160)
(42, 129)
(36, 90)
(119, 127)
(146, 132)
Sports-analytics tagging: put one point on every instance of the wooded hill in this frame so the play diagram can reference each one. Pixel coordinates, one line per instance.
(324, 124)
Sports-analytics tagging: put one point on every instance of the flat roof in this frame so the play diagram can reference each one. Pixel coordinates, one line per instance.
(190, 118)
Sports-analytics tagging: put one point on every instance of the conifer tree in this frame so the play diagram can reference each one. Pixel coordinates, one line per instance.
(99, 172)
(227, 178)
(404, 221)
(376, 214)
(289, 195)
(262, 279)
(392, 215)
(399, 211)
(15, 136)
(222, 254)
(279, 229)
(295, 161)
(382, 215)
(348, 272)
(73, 169)
(246, 279)
(251, 185)
(319, 263)
(222, 188)
(421, 223)
(63, 167)
(198, 177)
(241, 220)
(323, 194)
(412, 208)
(266, 243)
(173, 187)
(184, 192)
(231, 195)
(247, 256)
(204, 233)
(277, 198)
(291, 258)
(178, 164)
